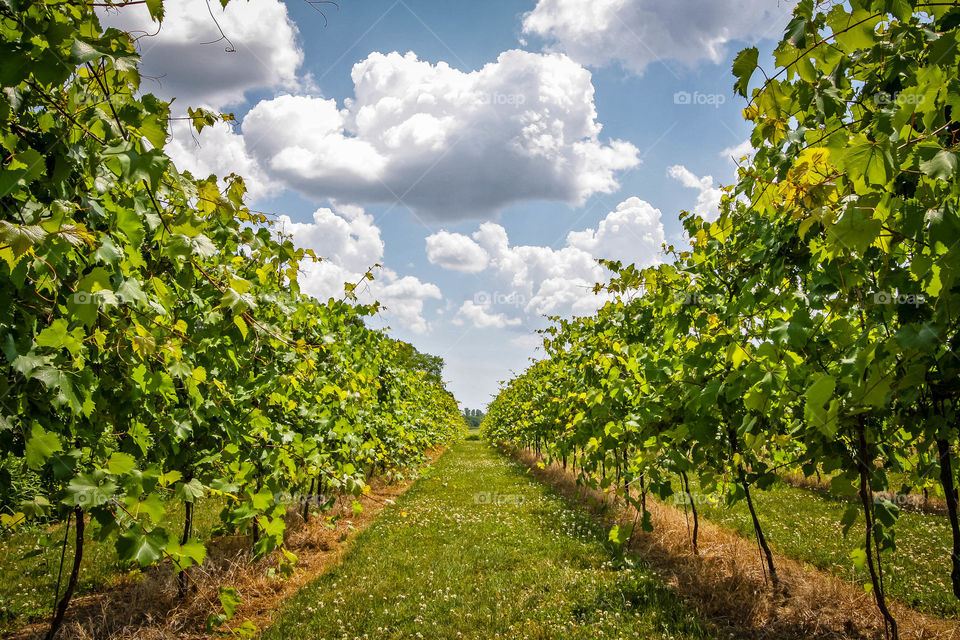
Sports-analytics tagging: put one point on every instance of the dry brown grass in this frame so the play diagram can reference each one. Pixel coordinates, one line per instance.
(147, 607)
(727, 584)
(907, 502)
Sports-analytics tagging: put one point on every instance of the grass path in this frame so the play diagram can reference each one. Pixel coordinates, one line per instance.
(478, 549)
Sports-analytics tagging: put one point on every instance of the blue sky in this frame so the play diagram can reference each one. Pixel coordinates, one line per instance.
(486, 154)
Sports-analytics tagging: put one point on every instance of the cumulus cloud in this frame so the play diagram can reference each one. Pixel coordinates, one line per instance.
(738, 151)
(632, 230)
(190, 59)
(349, 243)
(456, 252)
(481, 318)
(546, 281)
(636, 33)
(708, 196)
(527, 341)
(220, 151)
(448, 143)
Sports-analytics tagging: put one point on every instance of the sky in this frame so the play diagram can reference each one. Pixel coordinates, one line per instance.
(484, 154)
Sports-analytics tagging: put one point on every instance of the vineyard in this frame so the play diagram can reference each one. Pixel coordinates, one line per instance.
(156, 346)
(789, 377)
(812, 327)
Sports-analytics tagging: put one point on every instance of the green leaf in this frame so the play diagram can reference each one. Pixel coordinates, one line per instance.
(195, 550)
(820, 390)
(796, 32)
(130, 292)
(817, 395)
(868, 162)
(153, 507)
(109, 252)
(155, 7)
(97, 280)
(190, 491)
(89, 490)
(851, 513)
(617, 536)
(856, 230)
(14, 63)
(942, 166)
(40, 446)
(53, 335)
(943, 225)
(131, 225)
(143, 548)
(736, 354)
(241, 325)
(202, 117)
(20, 238)
(82, 52)
(121, 463)
(11, 521)
(35, 507)
(859, 558)
(944, 49)
(22, 169)
(886, 512)
(743, 67)
(841, 486)
(855, 30)
(262, 500)
(214, 620)
(922, 338)
(229, 600)
(646, 523)
(63, 466)
(58, 381)
(755, 399)
(236, 302)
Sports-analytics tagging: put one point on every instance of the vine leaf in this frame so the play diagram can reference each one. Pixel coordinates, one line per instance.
(155, 7)
(143, 548)
(743, 67)
(41, 445)
(942, 166)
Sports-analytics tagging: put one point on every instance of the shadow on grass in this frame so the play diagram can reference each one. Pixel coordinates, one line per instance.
(726, 586)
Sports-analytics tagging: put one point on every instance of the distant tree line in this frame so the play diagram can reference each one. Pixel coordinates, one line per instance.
(473, 417)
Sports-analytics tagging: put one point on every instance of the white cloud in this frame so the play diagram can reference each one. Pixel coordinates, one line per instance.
(404, 298)
(187, 58)
(481, 318)
(448, 143)
(738, 151)
(708, 198)
(456, 252)
(560, 281)
(527, 341)
(347, 237)
(349, 243)
(636, 33)
(632, 230)
(220, 151)
(543, 280)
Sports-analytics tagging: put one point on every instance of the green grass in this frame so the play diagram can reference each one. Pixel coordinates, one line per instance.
(447, 561)
(27, 583)
(806, 525)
